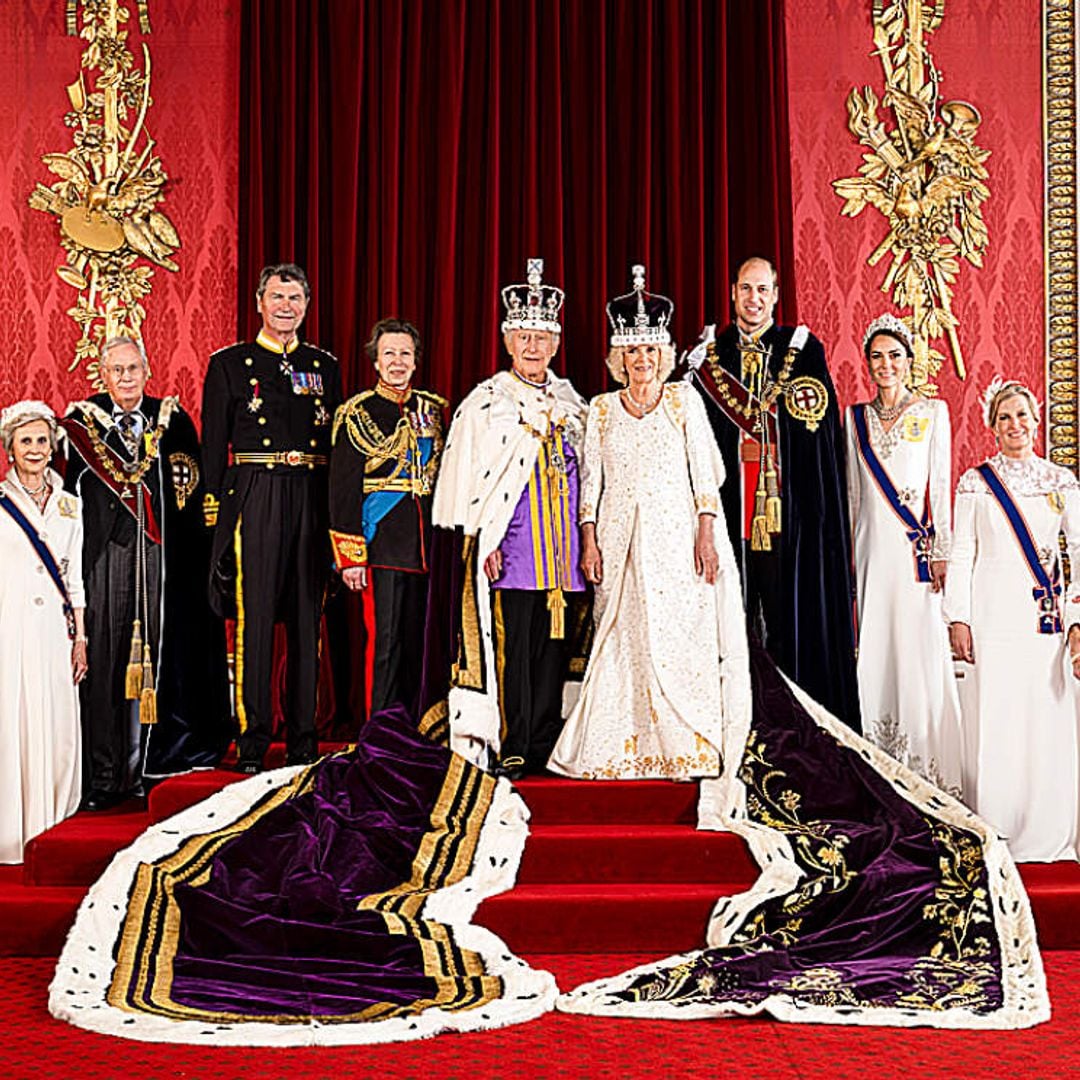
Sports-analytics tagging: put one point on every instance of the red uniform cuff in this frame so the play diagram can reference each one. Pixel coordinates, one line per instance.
(349, 550)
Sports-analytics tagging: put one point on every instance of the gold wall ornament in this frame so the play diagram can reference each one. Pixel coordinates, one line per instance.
(923, 171)
(109, 185)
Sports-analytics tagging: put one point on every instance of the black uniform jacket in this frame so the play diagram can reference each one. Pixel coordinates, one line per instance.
(258, 400)
(380, 490)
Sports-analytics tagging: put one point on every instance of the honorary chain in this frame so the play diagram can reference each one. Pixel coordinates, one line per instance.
(751, 409)
(136, 474)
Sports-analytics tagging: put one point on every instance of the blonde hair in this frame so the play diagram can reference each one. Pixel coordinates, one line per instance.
(616, 362)
(1002, 393)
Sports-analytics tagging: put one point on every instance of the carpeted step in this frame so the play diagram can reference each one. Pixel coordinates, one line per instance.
(628, 853)
(567, 917)
(179, 792)
(1054, 892)
(551, 800)
(35, 919)
(76, 851)
(591, 918)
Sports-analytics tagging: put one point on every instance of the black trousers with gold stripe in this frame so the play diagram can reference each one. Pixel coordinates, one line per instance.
(282, 561)
(531, 668)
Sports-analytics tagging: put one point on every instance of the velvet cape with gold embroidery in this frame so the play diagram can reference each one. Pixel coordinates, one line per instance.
(320, 904)
(881, 899)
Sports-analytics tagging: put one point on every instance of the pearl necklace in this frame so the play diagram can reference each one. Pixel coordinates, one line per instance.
(636, 406)
(888, 414)
(37, 495)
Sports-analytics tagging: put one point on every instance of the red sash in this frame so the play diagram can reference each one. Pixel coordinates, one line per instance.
(734, 400)
(80, 439)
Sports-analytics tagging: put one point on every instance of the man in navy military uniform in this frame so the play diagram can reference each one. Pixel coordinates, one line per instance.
(271, 402)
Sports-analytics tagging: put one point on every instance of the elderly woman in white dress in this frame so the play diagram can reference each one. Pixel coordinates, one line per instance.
(899, 486)
(1008, 618)
(42, 640)
(669, 652)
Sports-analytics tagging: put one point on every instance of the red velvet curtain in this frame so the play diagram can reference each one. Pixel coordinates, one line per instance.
(411, 154)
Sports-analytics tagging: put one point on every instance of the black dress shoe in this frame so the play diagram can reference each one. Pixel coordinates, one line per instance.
(102, 800)
(513, 768)
(248, 768)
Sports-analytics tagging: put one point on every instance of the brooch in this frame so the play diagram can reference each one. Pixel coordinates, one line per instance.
(806, 400)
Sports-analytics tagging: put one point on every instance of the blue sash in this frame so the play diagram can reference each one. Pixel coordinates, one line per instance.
(379, 503)
(920, 533)
(44, 554)
(1047, 590)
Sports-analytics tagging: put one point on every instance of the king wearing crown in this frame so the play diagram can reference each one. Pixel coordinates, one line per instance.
(509, 484)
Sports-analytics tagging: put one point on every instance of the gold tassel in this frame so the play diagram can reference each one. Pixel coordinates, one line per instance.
(556, 607)
(147, 696)
(772, 497)
(134, 675)
(759, 524)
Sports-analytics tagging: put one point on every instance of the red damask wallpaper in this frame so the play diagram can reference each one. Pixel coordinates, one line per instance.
(989, 54)
(194, 50)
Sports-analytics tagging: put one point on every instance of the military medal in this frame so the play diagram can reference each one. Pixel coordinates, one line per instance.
(306, 382)
(256, 402)
(322, 417)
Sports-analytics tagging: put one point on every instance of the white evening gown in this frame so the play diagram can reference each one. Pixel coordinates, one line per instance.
(1019, 698)
(907, 689)
(40, 741)
(654, 695)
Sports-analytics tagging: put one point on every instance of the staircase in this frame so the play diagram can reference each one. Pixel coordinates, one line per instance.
(610, 867)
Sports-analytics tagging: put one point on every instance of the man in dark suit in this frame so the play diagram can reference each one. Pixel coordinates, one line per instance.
(155, 700)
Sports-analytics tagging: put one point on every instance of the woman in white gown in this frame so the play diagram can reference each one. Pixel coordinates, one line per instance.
(667, 606)
(1004, 603)
(42, 642)
(899, 482)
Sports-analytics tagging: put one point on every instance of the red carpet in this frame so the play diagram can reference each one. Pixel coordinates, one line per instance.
(611, 867)
(558, 1045)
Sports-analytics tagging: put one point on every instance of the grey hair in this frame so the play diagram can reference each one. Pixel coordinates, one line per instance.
(285, 271)
(125, 339)
(616, 362)
(22, 413)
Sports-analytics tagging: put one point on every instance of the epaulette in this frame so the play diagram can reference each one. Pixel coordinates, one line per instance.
(346, 409)
(320, 349)
(431, 396)
(228, 348)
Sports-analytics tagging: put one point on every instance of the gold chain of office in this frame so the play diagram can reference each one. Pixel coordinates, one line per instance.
(750, 410)
(124, 476)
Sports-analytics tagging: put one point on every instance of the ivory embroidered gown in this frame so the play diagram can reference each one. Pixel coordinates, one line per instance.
(907, 689)
(1019, 698)
(657, 687)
